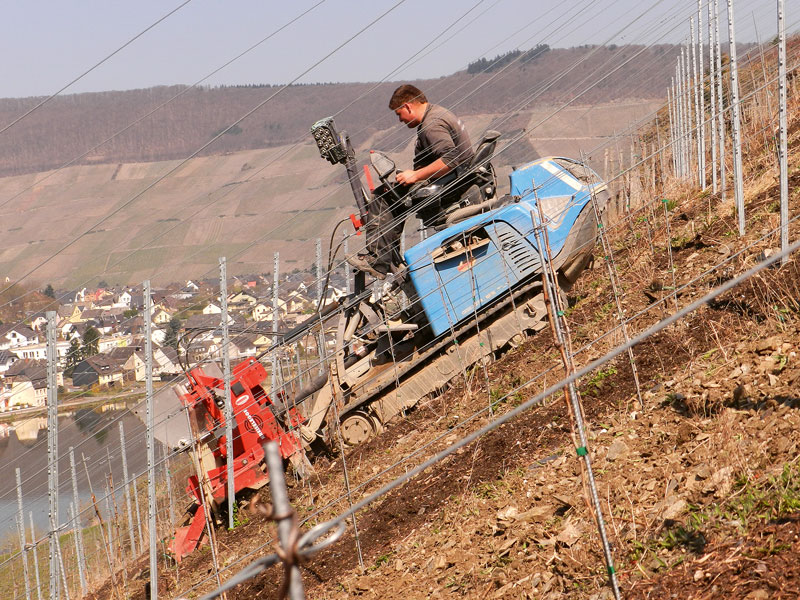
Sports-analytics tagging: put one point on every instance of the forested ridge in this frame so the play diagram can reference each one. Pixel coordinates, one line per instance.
(117, 126)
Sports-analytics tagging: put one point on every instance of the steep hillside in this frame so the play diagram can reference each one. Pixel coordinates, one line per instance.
(700, 485)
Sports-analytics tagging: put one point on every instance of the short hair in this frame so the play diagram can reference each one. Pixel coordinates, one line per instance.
(406, 93)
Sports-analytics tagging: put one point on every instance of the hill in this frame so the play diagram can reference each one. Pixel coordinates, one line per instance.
(78, 125)
(264, 189)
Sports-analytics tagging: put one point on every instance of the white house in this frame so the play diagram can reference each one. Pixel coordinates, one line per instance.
(27, 380)
(158, 336)
(15, 336)
(39, 352)
(124, 299)
(7, 358)
(262, 312)
(212, 309)
(68, 330)
(105, 344)
(19, 394)
(242, 298)
(39, 323)
(161, 317)
(162, 363)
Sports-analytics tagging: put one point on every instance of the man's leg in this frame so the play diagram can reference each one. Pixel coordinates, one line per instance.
(383, 231)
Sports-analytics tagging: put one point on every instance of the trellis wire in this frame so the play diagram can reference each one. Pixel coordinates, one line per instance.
(608, 257)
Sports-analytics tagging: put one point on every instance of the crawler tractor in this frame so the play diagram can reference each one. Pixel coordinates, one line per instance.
(460, 297)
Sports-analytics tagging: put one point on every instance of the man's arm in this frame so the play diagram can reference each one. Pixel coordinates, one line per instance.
(432, 171)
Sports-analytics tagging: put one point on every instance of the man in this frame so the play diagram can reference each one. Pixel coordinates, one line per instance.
(443, 145)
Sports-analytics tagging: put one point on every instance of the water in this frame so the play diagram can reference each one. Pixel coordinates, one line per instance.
(93, 433)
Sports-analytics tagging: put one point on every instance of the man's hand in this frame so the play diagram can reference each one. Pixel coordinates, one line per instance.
(407, 177)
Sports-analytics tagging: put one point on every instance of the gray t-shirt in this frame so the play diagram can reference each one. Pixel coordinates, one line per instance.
(441, 134)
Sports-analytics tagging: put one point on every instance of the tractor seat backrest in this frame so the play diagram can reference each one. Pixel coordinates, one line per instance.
(485, 149)
(446, 192)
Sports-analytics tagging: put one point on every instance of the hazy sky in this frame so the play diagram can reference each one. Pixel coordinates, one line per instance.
(47, 44)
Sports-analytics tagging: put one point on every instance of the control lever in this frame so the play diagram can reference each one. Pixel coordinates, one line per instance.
(385, 168)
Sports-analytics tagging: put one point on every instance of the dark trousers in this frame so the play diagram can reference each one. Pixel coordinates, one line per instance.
(387, 217)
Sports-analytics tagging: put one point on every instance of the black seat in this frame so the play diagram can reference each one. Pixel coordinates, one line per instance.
(472, 184)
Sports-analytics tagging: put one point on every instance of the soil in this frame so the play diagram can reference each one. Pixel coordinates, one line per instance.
(760, 566)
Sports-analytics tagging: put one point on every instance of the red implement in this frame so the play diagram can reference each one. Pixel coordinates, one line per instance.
(254, 423)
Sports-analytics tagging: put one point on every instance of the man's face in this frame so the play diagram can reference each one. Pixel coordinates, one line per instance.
(407, 114)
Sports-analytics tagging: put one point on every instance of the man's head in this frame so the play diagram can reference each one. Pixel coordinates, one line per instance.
(409, 103)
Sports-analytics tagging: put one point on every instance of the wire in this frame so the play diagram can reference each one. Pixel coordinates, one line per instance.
(539, 398)
(172, 228)
(249, 49)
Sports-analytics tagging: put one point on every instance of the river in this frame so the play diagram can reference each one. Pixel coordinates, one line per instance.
(94, 434)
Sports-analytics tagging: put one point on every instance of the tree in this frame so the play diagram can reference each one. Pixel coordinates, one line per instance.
(173, 329)
(74, 356)
(91, 342)
(49, 291)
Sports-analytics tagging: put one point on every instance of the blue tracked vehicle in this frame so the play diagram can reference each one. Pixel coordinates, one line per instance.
(462, 296)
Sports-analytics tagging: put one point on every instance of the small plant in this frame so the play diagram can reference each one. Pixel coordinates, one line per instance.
(383, 559)
(781, 360)
(597, 381)
(756, 500)
(239, 516)
(603, 312)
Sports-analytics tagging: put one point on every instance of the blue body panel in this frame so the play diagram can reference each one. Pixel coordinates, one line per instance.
(454, 284)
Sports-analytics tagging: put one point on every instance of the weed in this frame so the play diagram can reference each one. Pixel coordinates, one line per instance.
(774, 206)
(239, 516)
(454, 584)
(383, 559)
(502, 561)
(489, 490)
(780, 362)
(755, 501)
(603, 312)
(683, 535)
(596, 383)
(770, 549)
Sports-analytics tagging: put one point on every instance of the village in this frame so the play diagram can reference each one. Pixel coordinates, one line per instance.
(101, 334)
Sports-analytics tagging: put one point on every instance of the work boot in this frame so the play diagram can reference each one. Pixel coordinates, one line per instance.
(365, 263)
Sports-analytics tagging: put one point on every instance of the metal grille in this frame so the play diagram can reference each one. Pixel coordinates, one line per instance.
(517, 251)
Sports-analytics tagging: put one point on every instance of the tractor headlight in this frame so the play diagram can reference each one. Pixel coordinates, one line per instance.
(330, 144)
